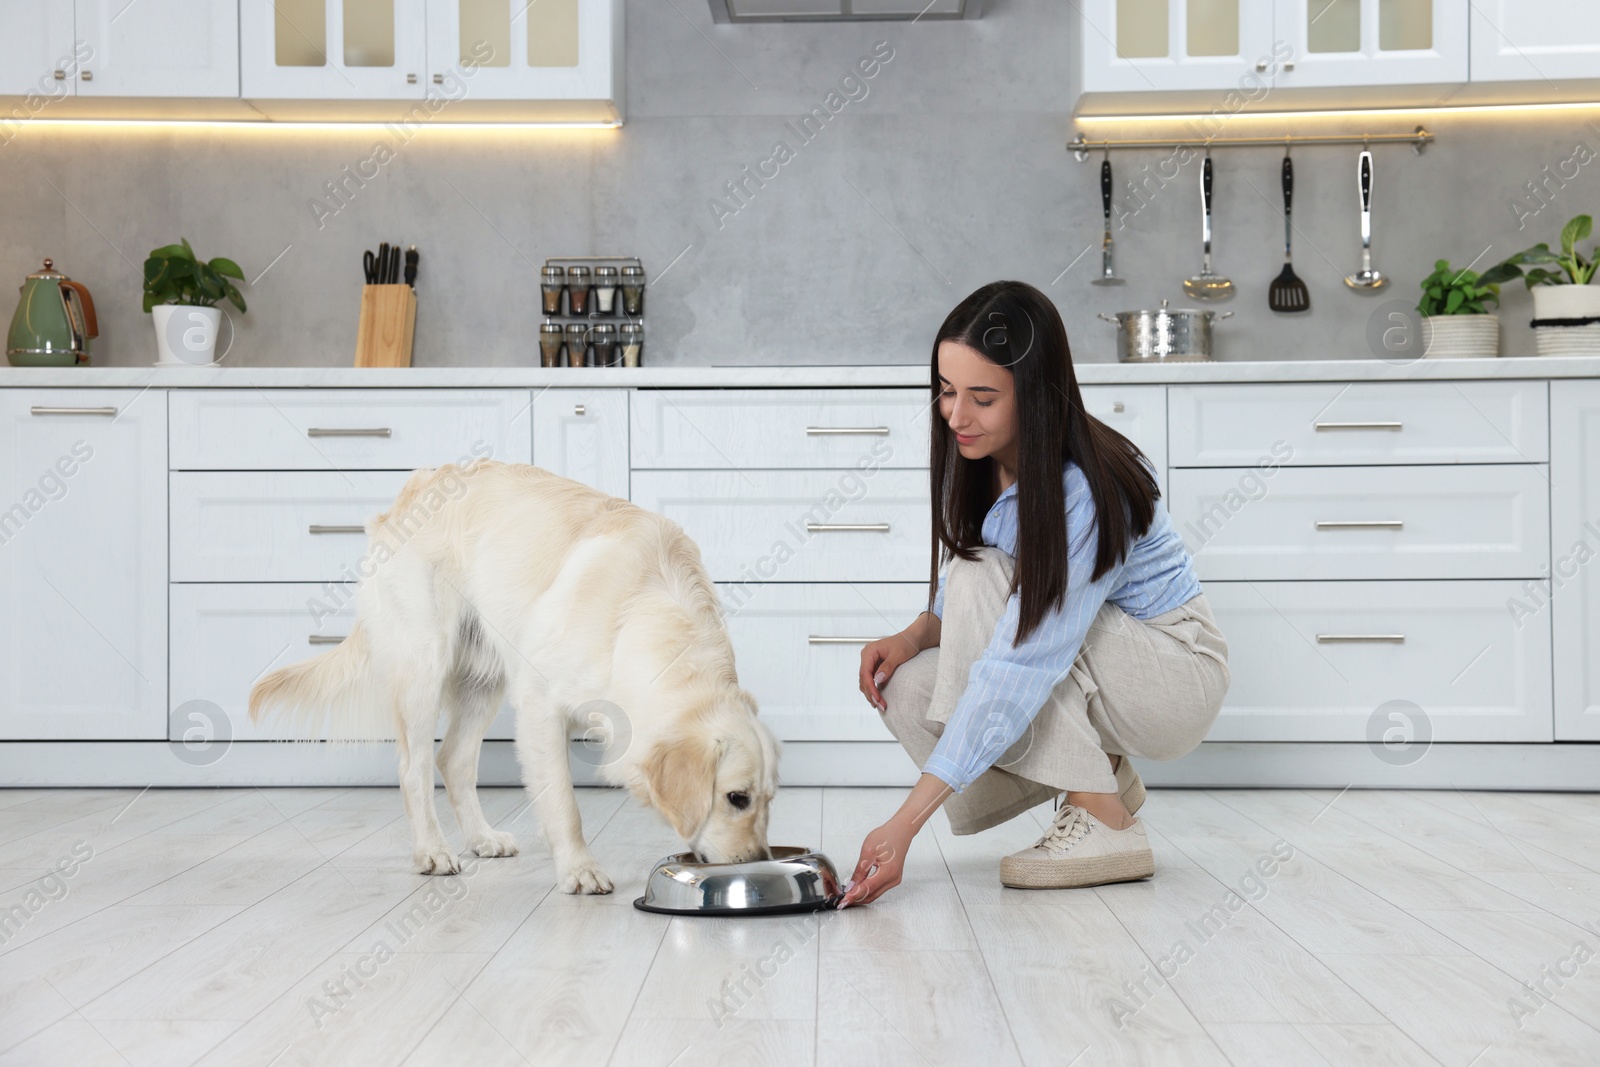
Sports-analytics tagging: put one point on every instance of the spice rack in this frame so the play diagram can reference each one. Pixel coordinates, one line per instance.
(593, 311)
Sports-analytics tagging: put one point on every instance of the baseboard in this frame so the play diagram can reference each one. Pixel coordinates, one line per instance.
(1563, 766)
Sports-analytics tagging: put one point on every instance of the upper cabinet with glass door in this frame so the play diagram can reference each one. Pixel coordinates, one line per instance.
(513, 50)
(1544, 41)
(1372, 42)
(1140, 46)
(332, 50)
(1145, 45)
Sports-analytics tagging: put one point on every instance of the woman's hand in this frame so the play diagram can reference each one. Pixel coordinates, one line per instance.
(883, 853)
(879, 661)
(883, 861)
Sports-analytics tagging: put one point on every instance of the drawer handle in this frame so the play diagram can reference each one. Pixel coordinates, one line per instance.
(830, 527)
(814, 639)
(814, 431)
(577, 409)
(1333, 639)
(327, 639)
(1356, 425)
(335, 431)
(319, 529)
(1360, 524)
(38, 409)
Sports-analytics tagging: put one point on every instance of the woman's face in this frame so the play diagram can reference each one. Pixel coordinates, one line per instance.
(977, 403)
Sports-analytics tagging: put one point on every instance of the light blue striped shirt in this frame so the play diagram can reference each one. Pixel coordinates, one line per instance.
(1007, 686)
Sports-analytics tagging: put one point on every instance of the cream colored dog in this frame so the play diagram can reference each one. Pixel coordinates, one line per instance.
(503, 578)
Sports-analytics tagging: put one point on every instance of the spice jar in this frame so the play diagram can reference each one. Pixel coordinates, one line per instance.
(551, 281)
(577, 344)
(550, 335)
(603, 335)
(578, 290)
(605, 290)
(633, 290)
(632, 334)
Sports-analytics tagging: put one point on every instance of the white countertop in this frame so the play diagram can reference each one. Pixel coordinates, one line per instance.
(1355, 370)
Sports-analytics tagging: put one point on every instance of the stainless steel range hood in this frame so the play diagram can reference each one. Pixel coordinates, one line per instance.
(842, 10)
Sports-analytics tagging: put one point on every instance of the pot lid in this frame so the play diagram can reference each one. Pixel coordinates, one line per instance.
(49, 271)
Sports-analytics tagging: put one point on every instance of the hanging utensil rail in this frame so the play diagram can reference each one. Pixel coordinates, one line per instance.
(1417, 139)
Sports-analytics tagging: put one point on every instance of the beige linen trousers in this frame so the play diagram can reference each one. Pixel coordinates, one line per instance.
(1148, 688)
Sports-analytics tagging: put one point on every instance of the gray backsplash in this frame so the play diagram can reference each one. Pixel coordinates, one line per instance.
(950, 171)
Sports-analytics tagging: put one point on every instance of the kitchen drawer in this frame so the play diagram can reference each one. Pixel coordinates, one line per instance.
(757, 524)
(739, 429)
(1334, 423)
(347, 429)
(255, 526)
(1322, 661)
(225, 637)
(1489, 521)
(798, 650)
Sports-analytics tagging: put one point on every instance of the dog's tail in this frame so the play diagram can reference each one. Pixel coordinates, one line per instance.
(331, 696)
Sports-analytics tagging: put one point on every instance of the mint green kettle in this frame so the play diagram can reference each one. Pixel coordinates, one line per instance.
(53, 323)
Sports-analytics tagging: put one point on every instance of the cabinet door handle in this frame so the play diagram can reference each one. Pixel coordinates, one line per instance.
(327, 639)
(438, 79)
(832, 527)
(42, 409)
(1334, 639)
(1261, 66)
(411, 79)
(815, 639)
(577, 409)
(316, 528)
(1360, 524)
(1118, 407)
(88, 75)
(336, 431)
(61, 75)
(1378, 425)
(816, 431)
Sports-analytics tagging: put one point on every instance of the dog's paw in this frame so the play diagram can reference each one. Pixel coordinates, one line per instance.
(495, 843)
(437, 859)
(585, 878)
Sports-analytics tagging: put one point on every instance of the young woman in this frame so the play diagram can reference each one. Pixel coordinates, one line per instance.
(1076, 633)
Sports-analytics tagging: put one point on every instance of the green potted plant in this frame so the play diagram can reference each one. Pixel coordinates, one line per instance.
(1566, 307)
(181, 293)
(1456, 322)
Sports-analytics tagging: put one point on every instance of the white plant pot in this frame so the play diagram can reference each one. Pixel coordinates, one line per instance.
(1567, 302)
(186, 336)
(1460, 336)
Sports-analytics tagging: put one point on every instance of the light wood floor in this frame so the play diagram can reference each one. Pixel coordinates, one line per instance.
(240, 927)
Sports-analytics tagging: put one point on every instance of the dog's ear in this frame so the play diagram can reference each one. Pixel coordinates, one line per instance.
(679, 778)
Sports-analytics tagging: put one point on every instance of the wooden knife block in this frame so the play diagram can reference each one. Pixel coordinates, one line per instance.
(388, 324)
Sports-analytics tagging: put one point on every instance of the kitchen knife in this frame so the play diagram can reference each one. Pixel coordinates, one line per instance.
(411, 266)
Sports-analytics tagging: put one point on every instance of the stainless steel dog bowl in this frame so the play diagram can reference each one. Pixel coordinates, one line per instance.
(794, 879)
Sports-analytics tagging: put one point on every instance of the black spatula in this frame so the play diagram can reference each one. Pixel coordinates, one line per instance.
(1288, 293)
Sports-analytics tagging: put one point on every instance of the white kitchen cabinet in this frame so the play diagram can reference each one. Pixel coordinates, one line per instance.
(183, 48)
(1144, 45)
(332, 49)
(37, 48)
(1371, 42)
(1571, 597)
(1243, 45)
(225, 636)
(1365, 661)
(1535, 40)
(1137, 412)
(797, 647)
(550, 50)
(582, 434)
(83, 574)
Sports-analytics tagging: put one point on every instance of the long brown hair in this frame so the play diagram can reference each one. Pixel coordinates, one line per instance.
(1014, 325)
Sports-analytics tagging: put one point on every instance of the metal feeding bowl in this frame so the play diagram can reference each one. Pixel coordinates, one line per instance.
(793, 880)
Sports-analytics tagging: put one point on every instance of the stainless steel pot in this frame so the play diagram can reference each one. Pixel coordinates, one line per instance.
(1166, 335)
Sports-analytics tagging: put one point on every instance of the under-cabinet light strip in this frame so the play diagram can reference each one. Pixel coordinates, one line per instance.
(243, 124)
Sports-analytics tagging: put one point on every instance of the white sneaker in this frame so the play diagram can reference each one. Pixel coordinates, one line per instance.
(1080, 850)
